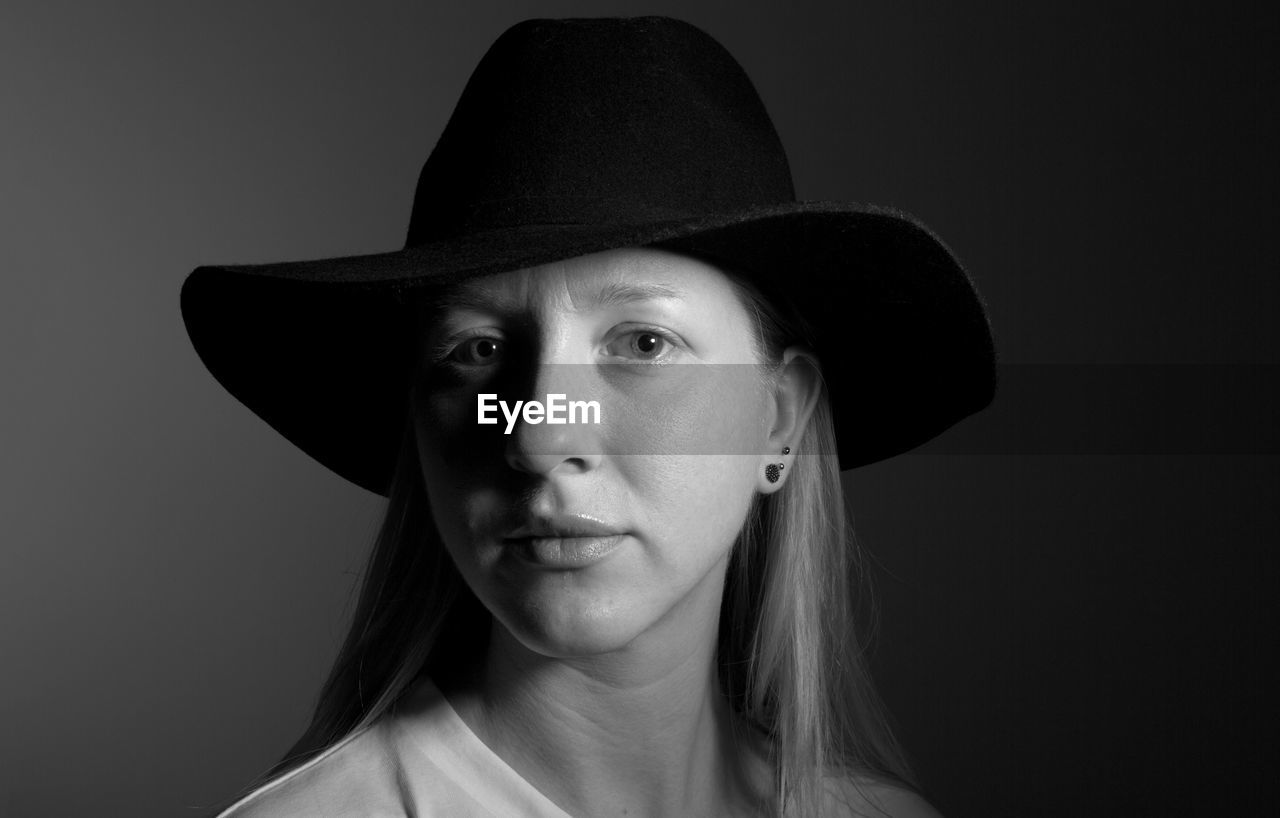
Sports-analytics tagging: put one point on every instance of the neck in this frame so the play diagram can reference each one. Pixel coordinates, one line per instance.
(642, 731)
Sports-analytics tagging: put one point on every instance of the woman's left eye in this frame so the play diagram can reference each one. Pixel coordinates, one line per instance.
(640, 344)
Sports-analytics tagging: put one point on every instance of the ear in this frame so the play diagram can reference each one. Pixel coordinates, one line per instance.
(795, 394)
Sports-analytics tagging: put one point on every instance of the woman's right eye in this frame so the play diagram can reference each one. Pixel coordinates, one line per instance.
(482, 351)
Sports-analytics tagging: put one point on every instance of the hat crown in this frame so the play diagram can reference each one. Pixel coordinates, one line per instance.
(594, 121)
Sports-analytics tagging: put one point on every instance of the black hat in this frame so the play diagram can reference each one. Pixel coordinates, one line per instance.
(579, 136)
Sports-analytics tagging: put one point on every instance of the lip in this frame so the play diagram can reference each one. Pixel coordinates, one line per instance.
(565, 552)
(564, 541)
(563, 525)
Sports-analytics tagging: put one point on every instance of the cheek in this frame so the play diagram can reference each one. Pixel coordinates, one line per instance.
(690, 409)
(701, 434)
(462, 492)
(451, 441)
(699, 494)
(691, 509)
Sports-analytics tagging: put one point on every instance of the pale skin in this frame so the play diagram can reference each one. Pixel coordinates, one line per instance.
(599, 684)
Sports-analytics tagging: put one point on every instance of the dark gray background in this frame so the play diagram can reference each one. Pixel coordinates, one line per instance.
(1073, 630)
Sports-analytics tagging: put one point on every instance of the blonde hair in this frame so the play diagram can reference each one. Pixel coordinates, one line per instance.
(797, 602)
(791, 662)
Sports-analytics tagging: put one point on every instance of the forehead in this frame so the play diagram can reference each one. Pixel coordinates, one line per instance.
(596, 281)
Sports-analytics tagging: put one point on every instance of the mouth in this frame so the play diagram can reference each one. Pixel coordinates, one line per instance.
(564, 540)
(565, 552)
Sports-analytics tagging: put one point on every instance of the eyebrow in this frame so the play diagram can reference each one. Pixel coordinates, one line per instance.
(618, 294)
(613, 295)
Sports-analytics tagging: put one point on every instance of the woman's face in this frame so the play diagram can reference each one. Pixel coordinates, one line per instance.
(581, 536)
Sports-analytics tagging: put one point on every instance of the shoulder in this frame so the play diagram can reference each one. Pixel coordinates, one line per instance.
(862, 797)
(357, 776)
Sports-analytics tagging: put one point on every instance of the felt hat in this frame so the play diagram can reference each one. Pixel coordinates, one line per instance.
(579, 136)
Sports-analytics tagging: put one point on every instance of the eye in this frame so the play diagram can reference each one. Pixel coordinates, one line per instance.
(641, 344)
(478, 351)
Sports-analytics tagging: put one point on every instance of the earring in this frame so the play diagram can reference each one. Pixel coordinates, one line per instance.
(773, 471)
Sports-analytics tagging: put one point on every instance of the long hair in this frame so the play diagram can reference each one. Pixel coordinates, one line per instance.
(798, 612)
(790, 656)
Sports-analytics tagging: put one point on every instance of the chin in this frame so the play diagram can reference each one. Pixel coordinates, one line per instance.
(563, 630)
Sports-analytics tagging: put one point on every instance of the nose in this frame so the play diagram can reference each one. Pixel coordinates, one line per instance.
(542, 446)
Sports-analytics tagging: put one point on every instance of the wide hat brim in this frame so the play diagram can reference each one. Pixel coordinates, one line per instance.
(321, 350)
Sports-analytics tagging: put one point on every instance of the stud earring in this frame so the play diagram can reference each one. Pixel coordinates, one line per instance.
(773, 471)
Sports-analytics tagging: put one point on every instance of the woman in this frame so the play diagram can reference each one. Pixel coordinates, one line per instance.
(646, 608)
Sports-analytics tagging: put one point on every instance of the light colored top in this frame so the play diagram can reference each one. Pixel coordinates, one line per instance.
(423, 760)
